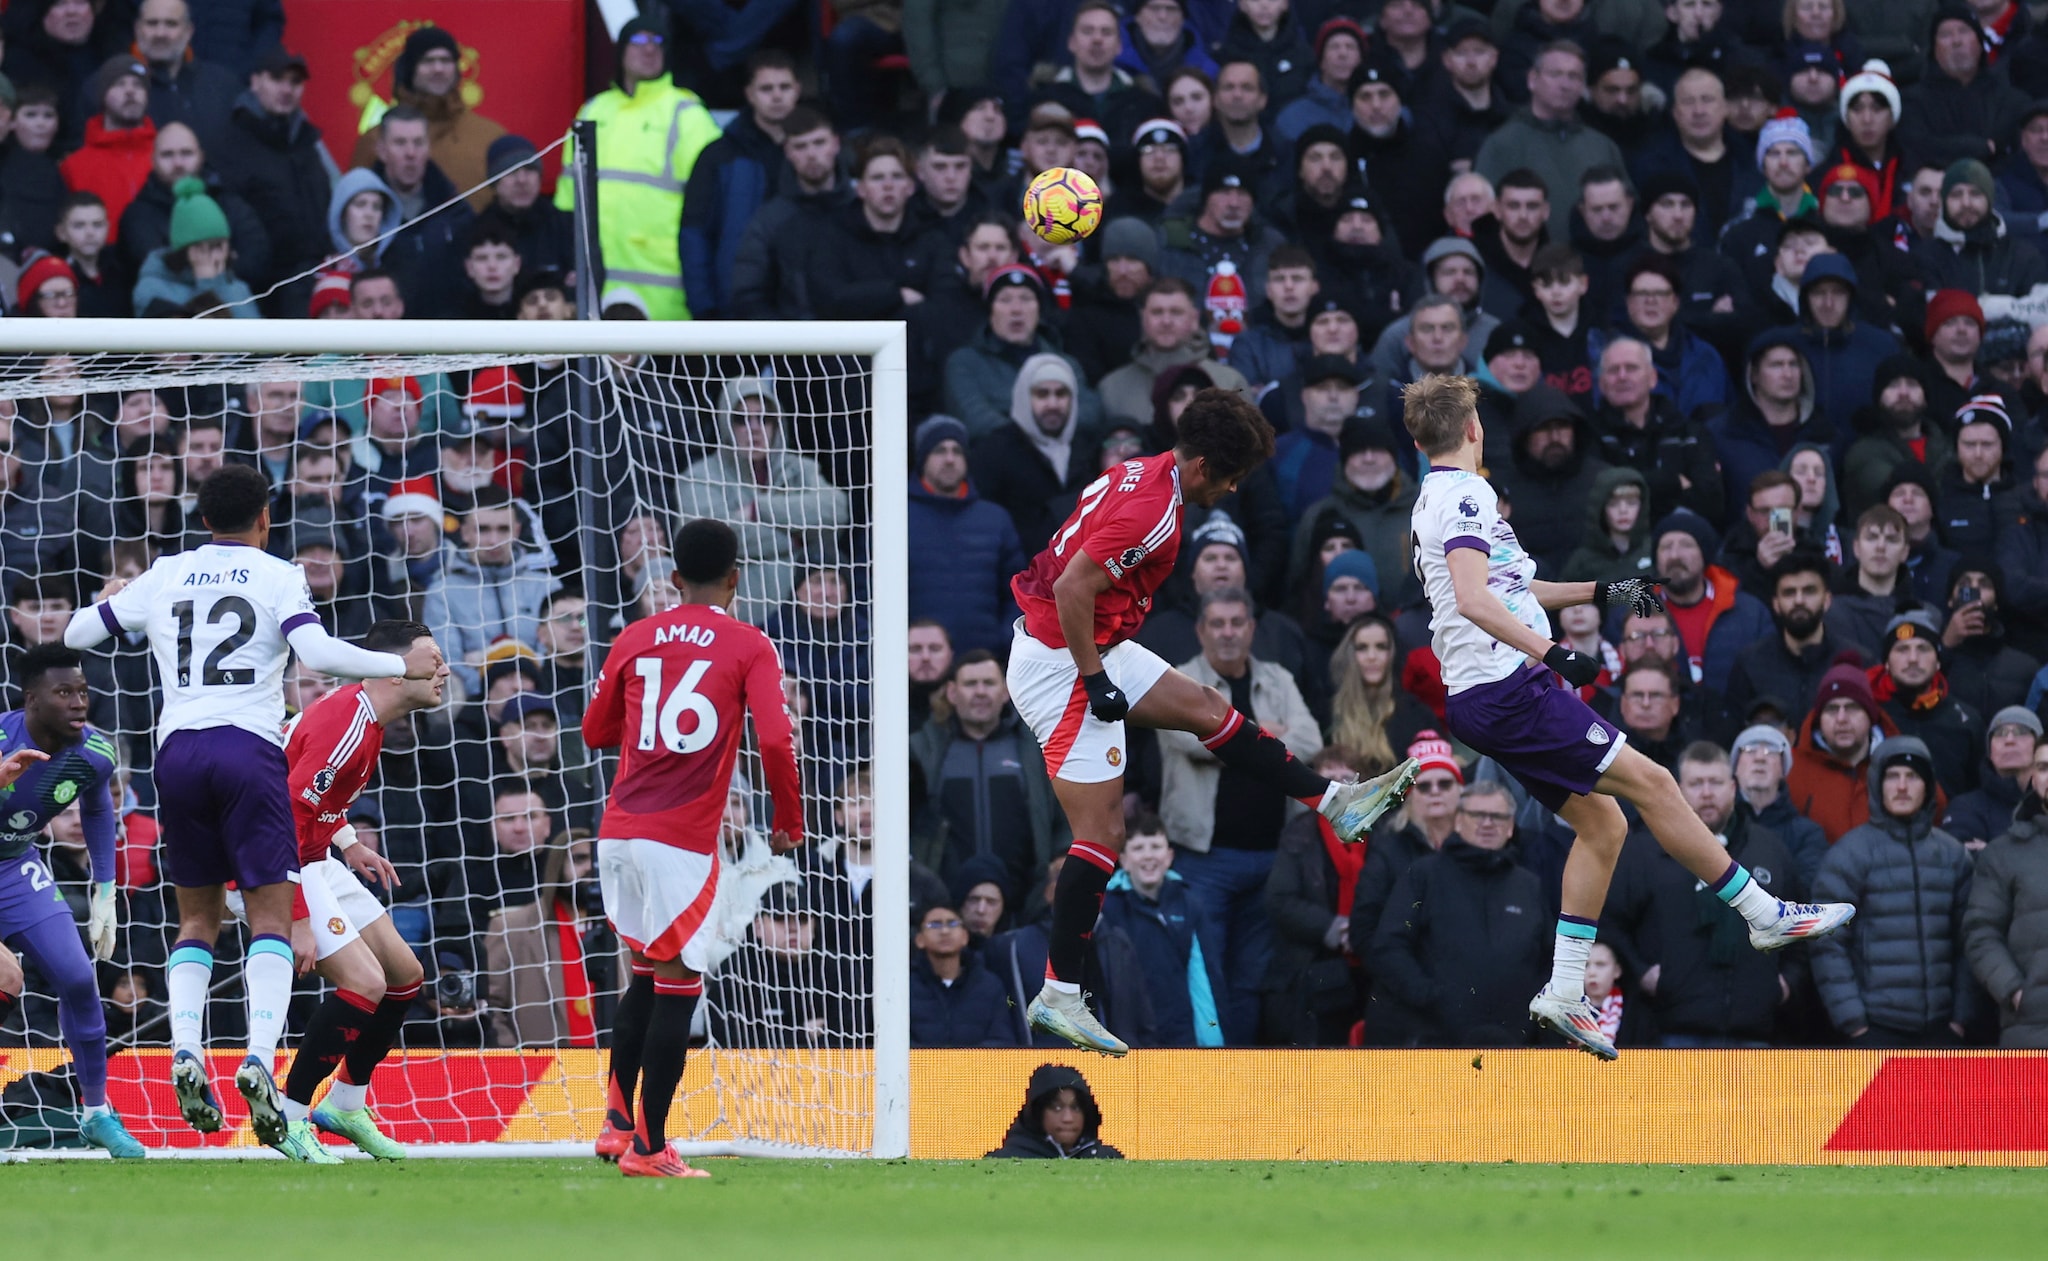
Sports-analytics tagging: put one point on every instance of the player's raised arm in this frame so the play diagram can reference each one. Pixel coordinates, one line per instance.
(121, 606)
(1639, 594)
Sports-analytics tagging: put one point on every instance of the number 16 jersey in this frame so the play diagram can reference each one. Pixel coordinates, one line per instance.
(673, 697)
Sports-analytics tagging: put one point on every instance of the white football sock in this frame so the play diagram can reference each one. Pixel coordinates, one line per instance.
(1755, 904)
(187, 980)
(268, 977)
(345, 1097)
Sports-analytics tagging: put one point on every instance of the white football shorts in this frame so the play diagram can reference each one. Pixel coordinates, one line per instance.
(1045, 686)
(658, 897)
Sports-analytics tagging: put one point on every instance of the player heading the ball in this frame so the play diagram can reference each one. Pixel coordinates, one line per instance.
(223, 620)
(1514, 697)
(673, 697)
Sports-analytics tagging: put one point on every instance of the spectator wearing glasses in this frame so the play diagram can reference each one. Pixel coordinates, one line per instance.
(954, 999)
(1762, 757)
(1829, 780)
(1985, 813)
(1465, 934)
(1687, 370)
(1651, 712)
(2006, 924)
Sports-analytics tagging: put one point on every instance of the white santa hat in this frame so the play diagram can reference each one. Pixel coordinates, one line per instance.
(1876, 77)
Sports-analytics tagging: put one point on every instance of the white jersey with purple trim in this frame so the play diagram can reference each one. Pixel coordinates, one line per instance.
(1457, 509)
(217, 618)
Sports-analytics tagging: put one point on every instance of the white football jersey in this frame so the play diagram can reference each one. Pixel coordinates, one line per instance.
(1458, 509)
(217, 617)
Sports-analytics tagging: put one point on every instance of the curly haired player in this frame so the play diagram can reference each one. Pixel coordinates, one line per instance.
(1076, 674)
(1491, 625)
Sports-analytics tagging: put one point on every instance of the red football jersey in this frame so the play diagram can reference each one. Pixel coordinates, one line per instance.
(331, 750)
(672, 695)
(1128, 521)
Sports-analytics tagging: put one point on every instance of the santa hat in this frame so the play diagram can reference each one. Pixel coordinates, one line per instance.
(413, 497)
(1089, 129)
(328, 291)
(1876, 77)
(407, 385)
(1786, 127)
(496, 392)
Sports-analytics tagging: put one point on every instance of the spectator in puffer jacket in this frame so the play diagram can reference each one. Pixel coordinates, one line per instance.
(1762, 757)
(1060, 1119)
(963, 549)
(1896, 975)
(2005, 926)
(491, 586)
(1180, 949)
(954, 1000)
(1978, 817)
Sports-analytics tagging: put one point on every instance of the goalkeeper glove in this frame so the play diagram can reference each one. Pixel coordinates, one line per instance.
(1578, 669)
(1105, 699)
(100, 920)
(1639, 594)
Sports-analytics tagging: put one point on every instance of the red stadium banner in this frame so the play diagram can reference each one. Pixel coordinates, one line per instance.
(522, 61)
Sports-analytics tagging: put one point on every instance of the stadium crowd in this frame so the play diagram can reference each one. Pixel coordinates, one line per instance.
(1755, 293)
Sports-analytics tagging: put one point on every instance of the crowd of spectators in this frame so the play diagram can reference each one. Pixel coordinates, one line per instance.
(1755, 295)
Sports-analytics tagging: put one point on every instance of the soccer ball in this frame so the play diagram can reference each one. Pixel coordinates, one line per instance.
(1063, 205)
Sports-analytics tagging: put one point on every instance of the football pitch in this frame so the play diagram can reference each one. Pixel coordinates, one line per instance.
(564, 1210)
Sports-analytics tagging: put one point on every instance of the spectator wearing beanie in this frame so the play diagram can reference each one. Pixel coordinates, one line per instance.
(963, 548)
(1340, 46)
(1715, 619)
(1954, 329)
(196, 267)
(1382, 141)
(1375, 496)
(1960, 106)
(428, 77)
(1223, 248)
(1867, 138)
(1421, 826)
(1985, 671)
(1762, 756)
(1908, 683)
(981, 376)
(1972, 249)
(1897, 975)
(2005, 924)
(1897, 430)
(1830, 778)
(120, 140)
(1986, 812)
(1161, 151)
(1774, 410)
(543, 234)
(1910, 492)
(1465, 101)
(47, 288)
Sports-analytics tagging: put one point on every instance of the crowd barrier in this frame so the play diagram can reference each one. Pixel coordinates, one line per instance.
(1667, 1107)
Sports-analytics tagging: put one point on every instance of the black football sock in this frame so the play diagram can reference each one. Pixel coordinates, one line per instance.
(1244, 745)
(337, 1024)
(629, 1035)
(379, 1036)
(661, 1060)
(1076, 904)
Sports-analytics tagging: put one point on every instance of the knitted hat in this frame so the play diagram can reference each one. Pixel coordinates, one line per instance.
(1686, 521)
(508, 153)
(111, 70)
(425, 40)
(1967, 171)
(1363, 434)
(196, 217)
(1983, 408)
(1160, 131)
(413, 497)
(1763, 735)
(1320, 133)
(1331, 523)
(329, 291)
(1445, 246)
(1130, 238)
(495, 392)
(1848, 173)
(1352, 564)
(45, 268)
(2005, 340)
(1322, 368)
(1948, 304)
(314, 421)
(1610, 53)
(408, 385)
(1915, 624)
(1846, 682)
(1229, 170)
(1434, 752)
(1786, 127)
(1513, 335)
(1661, 184)
(935, 429)
(1089, 129)
(1371, 71)
(1013, 276)
(2015, 716)
(1219, 528)
(1340, 26)
(1907, 751)
(1050, 116)
(1876, 77)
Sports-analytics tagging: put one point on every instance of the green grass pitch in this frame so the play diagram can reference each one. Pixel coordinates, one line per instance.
(568, 1210)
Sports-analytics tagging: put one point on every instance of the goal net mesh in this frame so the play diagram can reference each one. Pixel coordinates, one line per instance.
(488, 805)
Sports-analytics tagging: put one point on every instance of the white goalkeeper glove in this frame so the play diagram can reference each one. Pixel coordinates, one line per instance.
(100, 922)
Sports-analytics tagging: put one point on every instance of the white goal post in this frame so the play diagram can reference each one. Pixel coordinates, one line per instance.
(738, 1110)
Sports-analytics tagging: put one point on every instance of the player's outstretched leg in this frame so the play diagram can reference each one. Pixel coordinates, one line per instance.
(629, 1034)
(1096, 814)
(676, 991)
(53, 943)
(1773, 924)
(346, 1108)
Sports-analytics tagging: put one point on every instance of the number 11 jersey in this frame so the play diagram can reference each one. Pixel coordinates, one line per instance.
(673, 696)
(217, 618)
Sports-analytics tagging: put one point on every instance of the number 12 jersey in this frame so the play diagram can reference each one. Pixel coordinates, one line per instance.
(673, 697)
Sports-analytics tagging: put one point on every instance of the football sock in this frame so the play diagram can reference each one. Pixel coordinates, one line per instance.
(186, 981)
(1747, 896)
(661, 1057)
(351, 1088)
(1076, 904)
(1568, 956)
(629, 1034)
(267, 974)
(337, 1025)
(1244, 745)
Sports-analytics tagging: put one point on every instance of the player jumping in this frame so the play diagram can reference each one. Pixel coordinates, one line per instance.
(332, 751)
(1491, 631)
(53, 759)
(1075, 674)
(673, 695)
(222, 620)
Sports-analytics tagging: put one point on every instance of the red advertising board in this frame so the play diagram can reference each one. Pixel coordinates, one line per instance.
(522, 60)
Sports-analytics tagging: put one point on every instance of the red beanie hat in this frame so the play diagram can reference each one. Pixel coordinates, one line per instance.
(46, 268)
(1947, 304)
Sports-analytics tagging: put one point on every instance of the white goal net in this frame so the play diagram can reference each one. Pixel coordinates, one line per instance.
(513, 486)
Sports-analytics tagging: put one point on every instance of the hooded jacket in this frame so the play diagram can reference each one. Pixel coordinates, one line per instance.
(1463, 942)
(1844, 361)
(785, 510)
(1382, 519)
(1026, 1138)
(1596, 558)
(1549, 502)
(1899, 965)
(2005, 929)
(1180, 952)
(1747, 443)
(981, 380)
(1025, 470)
(346, 189)
(1984, 259)
(469, 604)
(281, 168)
(1711, 983)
